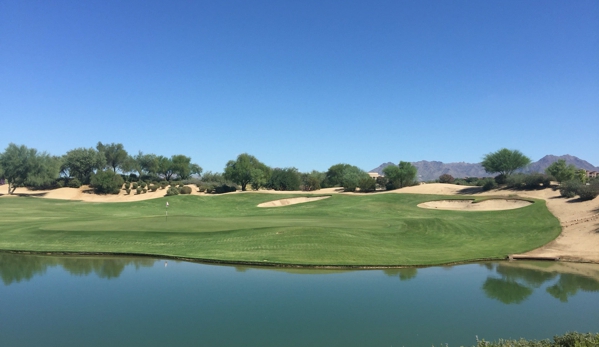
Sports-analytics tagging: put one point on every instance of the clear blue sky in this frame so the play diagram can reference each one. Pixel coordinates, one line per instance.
(302, 83)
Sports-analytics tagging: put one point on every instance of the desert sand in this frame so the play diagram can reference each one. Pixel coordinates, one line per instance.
(579, 240)
(470, 205)
(292, 201)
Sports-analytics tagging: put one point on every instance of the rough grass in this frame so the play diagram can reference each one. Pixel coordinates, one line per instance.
(385, 229)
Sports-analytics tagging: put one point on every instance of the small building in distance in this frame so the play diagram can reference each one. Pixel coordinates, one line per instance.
(592, 174)
(374, 175)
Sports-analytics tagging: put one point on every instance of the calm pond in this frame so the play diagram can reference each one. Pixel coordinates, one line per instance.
(92, 301)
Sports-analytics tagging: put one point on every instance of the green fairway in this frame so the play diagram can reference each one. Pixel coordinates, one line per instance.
(381, 229)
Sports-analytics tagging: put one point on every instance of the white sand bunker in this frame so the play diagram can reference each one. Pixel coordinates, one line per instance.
(292, 201)
(470, 205)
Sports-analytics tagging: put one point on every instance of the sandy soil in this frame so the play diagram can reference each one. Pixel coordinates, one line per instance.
(469, 205)
(292, 201)
(579, 240)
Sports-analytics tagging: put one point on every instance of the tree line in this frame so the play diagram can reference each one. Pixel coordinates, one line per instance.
(107, 166)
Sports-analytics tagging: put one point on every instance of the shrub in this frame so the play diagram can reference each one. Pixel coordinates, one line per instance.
(106, 182)
(127, 185)
(144, 190)
(138, 190)
(367, 184)
(135, 185)
(128, 190)
(446, 178)
(142, 184)
(569, 189)
(185, 190)
(221, 189)
(74, 183)
(500, 179)
(153, 187)
(163, 184)
(180, 185)
(588, 192)
(488, 184)
(172, 191)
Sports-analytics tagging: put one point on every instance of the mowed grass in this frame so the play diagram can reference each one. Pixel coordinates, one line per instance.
(382, 229)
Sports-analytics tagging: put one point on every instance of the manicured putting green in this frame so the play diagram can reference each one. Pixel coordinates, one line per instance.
(381, 229)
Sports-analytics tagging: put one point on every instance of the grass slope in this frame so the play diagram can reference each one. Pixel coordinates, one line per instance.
(384, 229)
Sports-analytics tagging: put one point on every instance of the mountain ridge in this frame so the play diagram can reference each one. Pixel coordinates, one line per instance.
(431, 170)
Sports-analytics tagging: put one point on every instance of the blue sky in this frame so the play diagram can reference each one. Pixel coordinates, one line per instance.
(302, 83)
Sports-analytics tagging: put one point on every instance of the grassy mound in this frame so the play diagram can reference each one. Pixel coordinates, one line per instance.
(384, 229)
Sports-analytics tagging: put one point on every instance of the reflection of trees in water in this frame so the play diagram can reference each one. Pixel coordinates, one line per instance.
(506, 291)
(531, 277)
(405, 274)
(17, 267)
(568, 285)
(517, 283)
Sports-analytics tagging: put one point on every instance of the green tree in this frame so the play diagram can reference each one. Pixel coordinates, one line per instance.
(245, 169)
(581, 175)
(164, 167)
(367, 184)
(351, 177)
(81, 163)
(21, 165)
(334, 175)
(504, 161)
(106, 182)
(285, 179)
(400, 176)
(313, 180)
(114, 153)
(183, 167)
(561, 171)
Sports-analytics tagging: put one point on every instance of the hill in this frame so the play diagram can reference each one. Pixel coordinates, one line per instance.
(431, 170)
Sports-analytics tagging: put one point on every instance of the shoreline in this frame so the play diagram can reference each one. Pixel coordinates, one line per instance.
(578, 240)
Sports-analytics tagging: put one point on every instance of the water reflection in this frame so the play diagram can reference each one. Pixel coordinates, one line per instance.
(404, 274)
(518, 280)
(15, 268)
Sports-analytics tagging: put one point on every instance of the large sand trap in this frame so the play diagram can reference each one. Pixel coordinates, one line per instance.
(470, 205)
(292, 201)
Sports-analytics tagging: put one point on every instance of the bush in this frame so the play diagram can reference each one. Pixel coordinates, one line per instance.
(367, 184)
(446, 178)
(106, 182)
(501, 179)
(127, 185)
(138, 190)
(572, 339)
(185, 190)
(135, 185)
(588, 192)
(128, 190)
(528, 181)
(74, 183)
(172, 191)
(220, 189)
(153, 187)
(488, 184)
(142, 184)
(163, 184)
(569, 189)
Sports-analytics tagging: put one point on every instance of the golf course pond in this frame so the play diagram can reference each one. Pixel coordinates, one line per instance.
(127, 301)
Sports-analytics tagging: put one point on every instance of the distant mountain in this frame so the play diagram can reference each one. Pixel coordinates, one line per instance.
(431, 170)
(543, 163)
